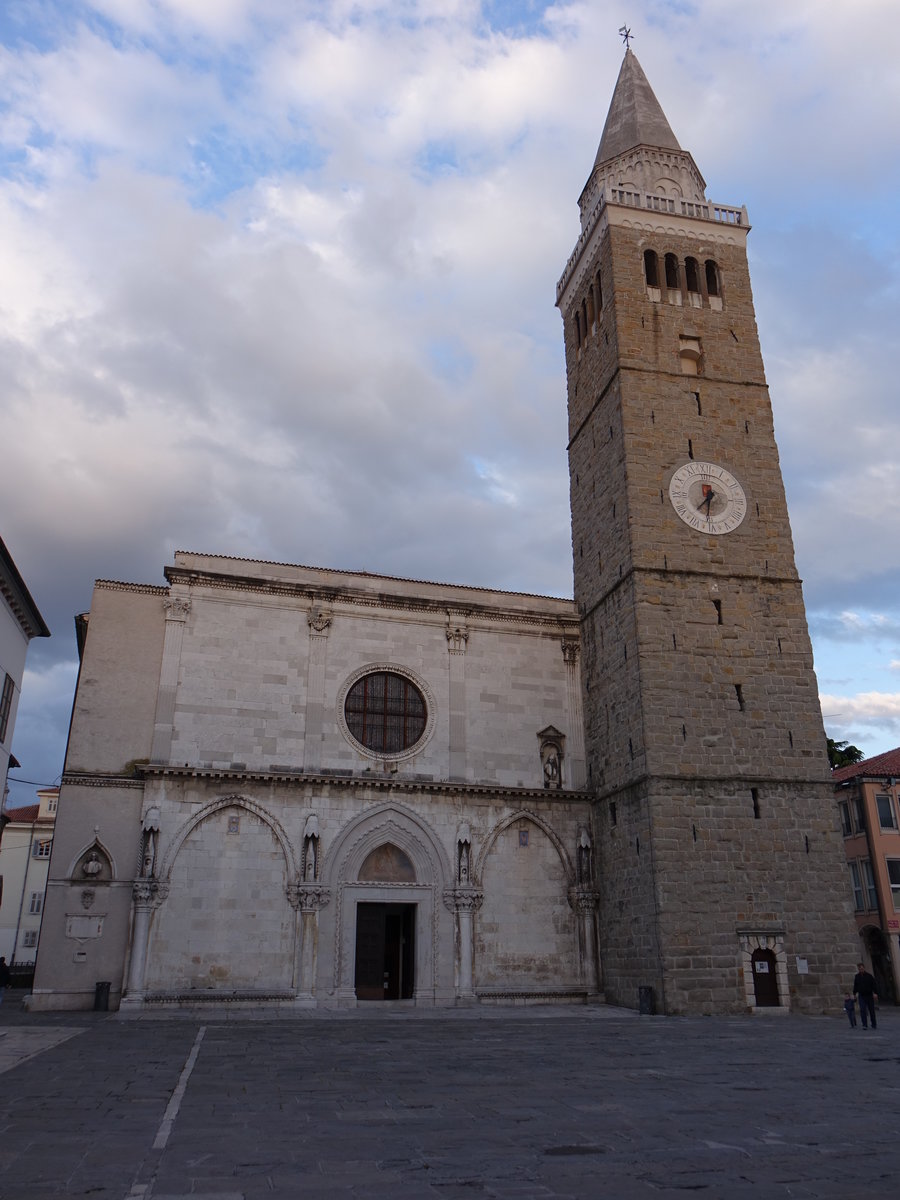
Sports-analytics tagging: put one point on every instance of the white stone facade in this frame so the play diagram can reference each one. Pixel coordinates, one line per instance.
(241, 828)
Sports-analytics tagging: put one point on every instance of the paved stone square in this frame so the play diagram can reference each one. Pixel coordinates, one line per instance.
(504, 1102)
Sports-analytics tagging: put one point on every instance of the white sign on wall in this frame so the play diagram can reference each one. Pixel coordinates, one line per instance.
(82, 928)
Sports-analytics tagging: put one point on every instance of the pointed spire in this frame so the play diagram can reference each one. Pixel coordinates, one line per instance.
(635, 117)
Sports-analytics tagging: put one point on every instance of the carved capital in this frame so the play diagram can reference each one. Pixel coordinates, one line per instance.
(584, 900)
(463, 900)
(308, 897)
(571, 648)
(319, 619)
(457, 633)
(148, 893)
(177, 608)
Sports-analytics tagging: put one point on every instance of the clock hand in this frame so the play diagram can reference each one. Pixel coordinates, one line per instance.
(708, 501)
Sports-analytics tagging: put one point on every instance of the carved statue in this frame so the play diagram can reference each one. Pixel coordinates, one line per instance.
(93, 866)
(311, 849)
(463, 851)
(584, 857)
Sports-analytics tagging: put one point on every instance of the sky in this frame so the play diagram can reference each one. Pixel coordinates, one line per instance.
(277, 280)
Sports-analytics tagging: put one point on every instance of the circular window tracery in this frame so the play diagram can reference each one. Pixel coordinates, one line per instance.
(385, 712)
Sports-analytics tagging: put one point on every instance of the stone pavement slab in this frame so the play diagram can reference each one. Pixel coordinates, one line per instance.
(556, 1103)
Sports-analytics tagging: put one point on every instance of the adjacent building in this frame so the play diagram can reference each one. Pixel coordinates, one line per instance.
(868, 802)
(26, 841)
(292, 785)
(20, 621)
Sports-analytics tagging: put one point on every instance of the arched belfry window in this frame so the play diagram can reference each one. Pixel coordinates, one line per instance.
(692, 274)
(671, 272)
(651, 268)
(713, 279)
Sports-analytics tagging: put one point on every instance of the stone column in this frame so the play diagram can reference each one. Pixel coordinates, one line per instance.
(178, 609)
(457, 639)
(147, 894)
(585, 905)
(319, 623)
(307, 898)
(571, 649)
(465, 901)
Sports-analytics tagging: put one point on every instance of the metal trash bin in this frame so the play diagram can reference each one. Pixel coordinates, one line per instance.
(646, 1004)
(101, 995)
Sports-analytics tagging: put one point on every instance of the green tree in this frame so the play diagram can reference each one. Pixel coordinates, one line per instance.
(842, 754)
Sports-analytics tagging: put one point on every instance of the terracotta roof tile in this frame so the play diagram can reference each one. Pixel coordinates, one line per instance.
(880, 764)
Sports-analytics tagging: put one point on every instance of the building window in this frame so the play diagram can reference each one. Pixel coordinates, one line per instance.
(29, 940)
(385, 712)
(886, 817)
(6, 705)
(692, 274)
(859, 815)
(37, 900)
(651, 268)
(857, 887)
(41, 849)
(871, 891)
(846, 823)
(52, 802)
(671, 272)
(893, 866)
(713, 281)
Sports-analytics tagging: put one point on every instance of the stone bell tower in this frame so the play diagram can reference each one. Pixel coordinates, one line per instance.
(720, 864)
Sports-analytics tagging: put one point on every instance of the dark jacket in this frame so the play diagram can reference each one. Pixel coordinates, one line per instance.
(864, 984)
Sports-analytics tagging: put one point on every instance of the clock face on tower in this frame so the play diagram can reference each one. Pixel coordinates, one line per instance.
(707, 497)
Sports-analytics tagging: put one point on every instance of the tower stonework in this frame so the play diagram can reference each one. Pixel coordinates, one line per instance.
(720, 864)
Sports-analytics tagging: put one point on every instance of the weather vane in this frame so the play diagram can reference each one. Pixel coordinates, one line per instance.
(627, 35)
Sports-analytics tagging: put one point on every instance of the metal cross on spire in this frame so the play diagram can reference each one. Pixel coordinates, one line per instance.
(626, 35)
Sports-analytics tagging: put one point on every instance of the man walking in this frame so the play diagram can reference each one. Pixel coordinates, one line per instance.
(864, 990)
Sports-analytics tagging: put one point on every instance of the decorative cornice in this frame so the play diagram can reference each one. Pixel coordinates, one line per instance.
(89, 779)
(117, 585)
(394, 783)
(316, 595)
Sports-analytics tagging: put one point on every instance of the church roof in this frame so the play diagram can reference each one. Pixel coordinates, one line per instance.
(635, 116)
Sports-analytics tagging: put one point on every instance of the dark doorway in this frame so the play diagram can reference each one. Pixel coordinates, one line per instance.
(765, 981)
(880, 954)
(385, 951)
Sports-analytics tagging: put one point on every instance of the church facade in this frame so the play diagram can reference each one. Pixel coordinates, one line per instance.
(296, 786)
(299, 786)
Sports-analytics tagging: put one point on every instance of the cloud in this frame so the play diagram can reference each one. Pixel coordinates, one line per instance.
(867, 717)
(42, 721)
(855, 627)
(278, 281)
